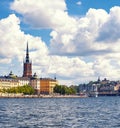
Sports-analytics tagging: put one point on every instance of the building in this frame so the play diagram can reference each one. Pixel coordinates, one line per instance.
(6, 83)
(27, 69)
(35, 83)
(47, 85)
(23, 81)
(13, 81)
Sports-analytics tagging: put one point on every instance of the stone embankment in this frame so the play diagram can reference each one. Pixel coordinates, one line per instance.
(11, 95)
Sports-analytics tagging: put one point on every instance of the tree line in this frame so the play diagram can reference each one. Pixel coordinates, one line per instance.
(26, 90)
(65, 90)
(29, 90)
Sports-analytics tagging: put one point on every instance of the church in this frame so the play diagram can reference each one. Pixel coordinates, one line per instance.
(41, 85)
(27, 69)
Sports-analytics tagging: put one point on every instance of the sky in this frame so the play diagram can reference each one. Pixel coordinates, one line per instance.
(75, 40)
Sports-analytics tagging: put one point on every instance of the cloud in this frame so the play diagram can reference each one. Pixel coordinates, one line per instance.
(79, 3)
(107, 67)
(80, 41)
(39, 13)
(69, 34)
(87, 35)
(13, 42)
(8, 28)
(110, 30)
(93, 34)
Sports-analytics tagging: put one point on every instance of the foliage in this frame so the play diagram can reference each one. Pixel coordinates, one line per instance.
(77, 89)
(62, 89)
(26, 89)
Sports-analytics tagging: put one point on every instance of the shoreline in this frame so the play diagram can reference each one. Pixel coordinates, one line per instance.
(40, 96)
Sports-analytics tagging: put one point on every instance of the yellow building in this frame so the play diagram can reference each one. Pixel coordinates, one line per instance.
(12, 80)
(8, 83)
(47, 85)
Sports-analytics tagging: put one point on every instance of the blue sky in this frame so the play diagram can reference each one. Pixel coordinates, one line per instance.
(70, 38)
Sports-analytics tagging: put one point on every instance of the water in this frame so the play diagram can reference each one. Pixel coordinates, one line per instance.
(101, 112)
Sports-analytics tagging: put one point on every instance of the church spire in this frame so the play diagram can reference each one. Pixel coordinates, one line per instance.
(27, 69)
(27, 54)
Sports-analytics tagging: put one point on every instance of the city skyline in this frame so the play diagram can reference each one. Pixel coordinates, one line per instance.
(76, 40)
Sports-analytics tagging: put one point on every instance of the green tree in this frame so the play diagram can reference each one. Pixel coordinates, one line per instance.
(26, 89)
(62, 89)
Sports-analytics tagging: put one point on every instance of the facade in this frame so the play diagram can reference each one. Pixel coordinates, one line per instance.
(12, 81)
(6, 83)
(47, 85)
(23, 81)
(27, 69)
(35, 83)
(101, 88)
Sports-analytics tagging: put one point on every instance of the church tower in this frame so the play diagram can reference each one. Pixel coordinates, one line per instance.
(27, 69)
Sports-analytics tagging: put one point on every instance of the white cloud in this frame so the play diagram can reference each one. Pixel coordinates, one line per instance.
(107, 67)
(79, 3)
(69, 35)
(38, 13)
(110, 30)
(8, 29)
(93, 34)
(82, 40)
(13, 42)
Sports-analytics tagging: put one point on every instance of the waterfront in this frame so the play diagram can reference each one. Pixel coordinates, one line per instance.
(60, 113)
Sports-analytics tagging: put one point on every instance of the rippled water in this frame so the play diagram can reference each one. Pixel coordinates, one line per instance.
(101, 112)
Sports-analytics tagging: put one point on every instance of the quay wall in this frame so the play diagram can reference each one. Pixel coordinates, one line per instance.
(12, 95)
